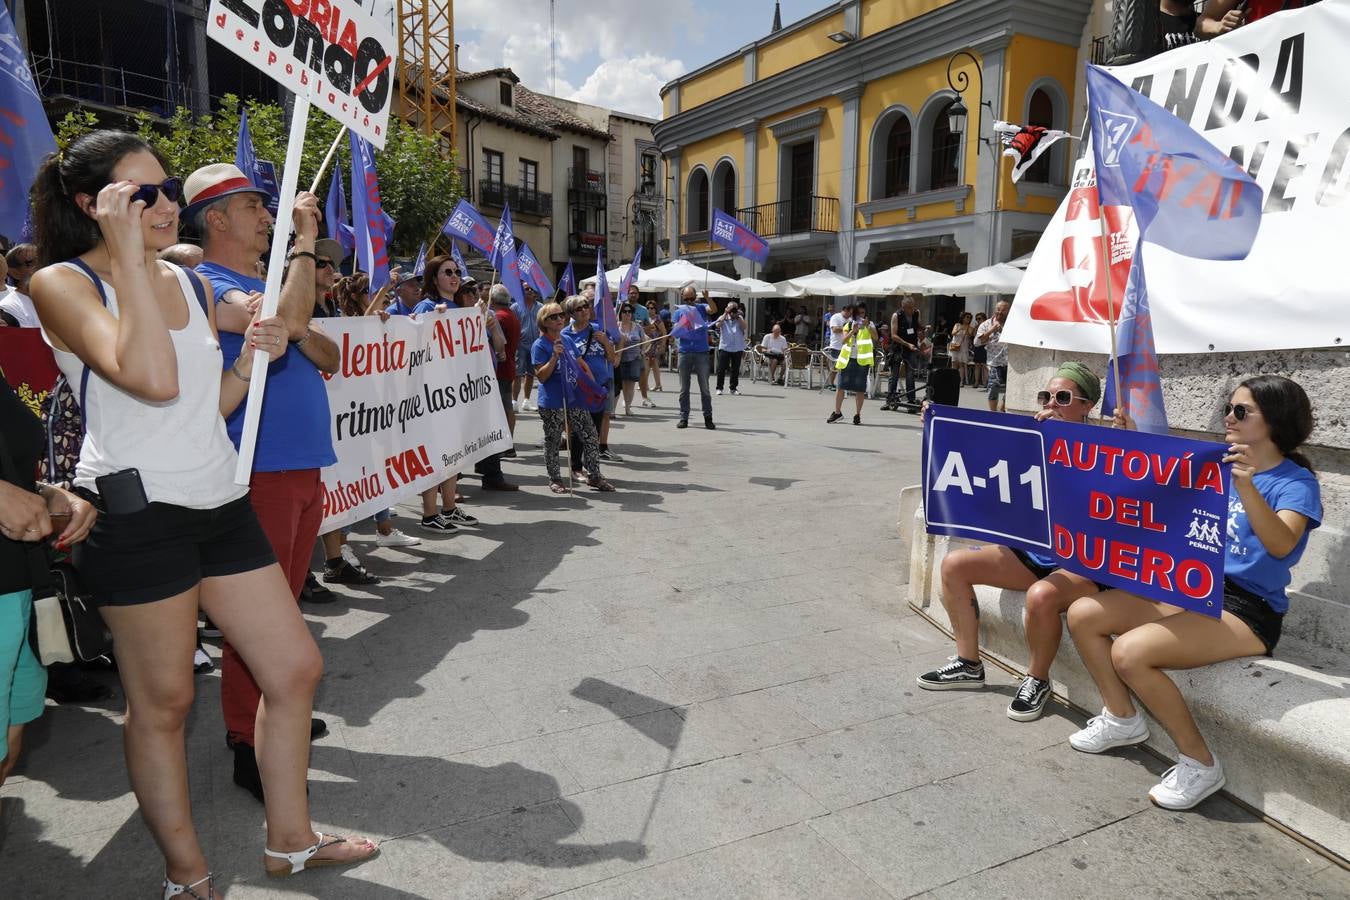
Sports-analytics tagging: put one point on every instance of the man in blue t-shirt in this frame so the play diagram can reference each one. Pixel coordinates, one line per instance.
(689, 326)
(529, 332)
(294, 442)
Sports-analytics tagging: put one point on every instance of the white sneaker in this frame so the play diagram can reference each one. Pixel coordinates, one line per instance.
(647, 404)
(350, 555)
(719, 392)
(1106, 731)
(396, 538)
(735, 393)
(527, 406)
(1187, 783)
(515, 406)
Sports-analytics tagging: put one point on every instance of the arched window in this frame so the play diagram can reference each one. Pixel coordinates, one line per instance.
(944, 150)
(1040, 111)
(899, 143)
(724, 188)
(698, 201)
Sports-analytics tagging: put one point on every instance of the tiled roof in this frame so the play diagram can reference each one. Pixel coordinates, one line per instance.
(538, 106)
(512, 118)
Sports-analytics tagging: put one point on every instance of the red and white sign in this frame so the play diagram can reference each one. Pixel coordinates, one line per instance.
(1271, 96)
(414, 401)
(333, 52)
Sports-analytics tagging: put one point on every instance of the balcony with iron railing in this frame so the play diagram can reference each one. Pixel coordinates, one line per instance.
(522, 199)
(112, 87)
(798, 215)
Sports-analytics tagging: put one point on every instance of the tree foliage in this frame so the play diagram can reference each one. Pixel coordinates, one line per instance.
(418, 186)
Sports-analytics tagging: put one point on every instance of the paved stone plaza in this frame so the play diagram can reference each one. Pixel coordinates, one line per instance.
(699, 686)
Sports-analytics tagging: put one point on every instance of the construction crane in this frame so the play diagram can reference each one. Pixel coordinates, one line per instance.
(426, 84)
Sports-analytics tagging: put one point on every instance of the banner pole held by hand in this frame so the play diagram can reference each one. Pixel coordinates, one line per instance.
(323, 166)
(1110, 301)
(276, 263)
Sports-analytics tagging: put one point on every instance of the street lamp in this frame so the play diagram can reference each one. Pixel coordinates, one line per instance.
(957, 113)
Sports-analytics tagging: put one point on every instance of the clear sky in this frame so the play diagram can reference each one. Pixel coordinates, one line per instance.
(612, 53)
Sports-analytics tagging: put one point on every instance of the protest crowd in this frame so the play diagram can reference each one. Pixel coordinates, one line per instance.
(157, 341)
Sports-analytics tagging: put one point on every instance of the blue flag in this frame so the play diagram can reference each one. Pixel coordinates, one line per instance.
(503, 258)
(630, 277)
(370, 225)
(335, 212)
(468, 224)
(532, 272)
(420, 265)
(25, 137)
(579, 385)
(459, 259)
(732, 233)
(244, 157)
(604, 315)
(568, 283)
(1186, 196)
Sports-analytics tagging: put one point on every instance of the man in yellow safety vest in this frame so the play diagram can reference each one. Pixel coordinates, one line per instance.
(854, 363)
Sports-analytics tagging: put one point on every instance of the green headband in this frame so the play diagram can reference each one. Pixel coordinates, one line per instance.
(1082, 376)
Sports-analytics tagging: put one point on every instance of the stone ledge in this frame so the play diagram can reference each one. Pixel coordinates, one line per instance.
(1278, 724)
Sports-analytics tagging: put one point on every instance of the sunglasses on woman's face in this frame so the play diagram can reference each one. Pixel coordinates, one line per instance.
(1238, 411)
(149, 193)
(1061, 398)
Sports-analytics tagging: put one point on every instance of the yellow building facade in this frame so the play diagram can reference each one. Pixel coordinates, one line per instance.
(832, 137)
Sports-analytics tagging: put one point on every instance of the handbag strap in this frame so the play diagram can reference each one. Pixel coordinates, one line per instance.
(102, 296)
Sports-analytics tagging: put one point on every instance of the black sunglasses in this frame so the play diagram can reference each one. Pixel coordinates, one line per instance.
(1238, 411)
(1061, 398)
(149, 193)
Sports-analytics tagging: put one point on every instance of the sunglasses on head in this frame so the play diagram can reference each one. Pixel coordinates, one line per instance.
(1061, 398)
(1238, 411)
(149, 193)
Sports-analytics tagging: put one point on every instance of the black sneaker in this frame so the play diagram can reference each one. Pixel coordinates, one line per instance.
(709, 424)
(313, 592)
(437, 522)
(1029, 702)
(857, 420)
(610, 456)
(317, 728)
(457, 517)
(683, 423)
(954, 675)
(346, 573)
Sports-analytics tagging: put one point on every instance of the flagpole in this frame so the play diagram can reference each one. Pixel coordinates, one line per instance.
(323, 166)
(1110, 299)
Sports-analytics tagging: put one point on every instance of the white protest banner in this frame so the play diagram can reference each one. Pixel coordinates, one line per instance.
(413, 402)
(1270, 96)
(335, 53)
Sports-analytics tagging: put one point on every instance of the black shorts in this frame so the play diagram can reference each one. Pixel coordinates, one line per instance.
(1255, 613)
(1034, 567)
(164, 550)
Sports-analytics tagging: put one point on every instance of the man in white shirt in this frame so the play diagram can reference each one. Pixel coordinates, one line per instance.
(988, 337)
(774, 346)
(836, 335)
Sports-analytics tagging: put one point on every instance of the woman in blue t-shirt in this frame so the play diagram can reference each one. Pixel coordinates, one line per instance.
(547, 357)
(1273, 505)
(595, 347)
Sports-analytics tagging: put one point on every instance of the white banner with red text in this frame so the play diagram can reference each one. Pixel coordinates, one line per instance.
(1271, 95)
(413, 402)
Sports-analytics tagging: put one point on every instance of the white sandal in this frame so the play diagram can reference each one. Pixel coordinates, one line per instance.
(174, 889)
(304, 859)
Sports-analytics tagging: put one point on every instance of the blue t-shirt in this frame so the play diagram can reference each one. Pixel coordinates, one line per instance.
(427, 306)
(595, 359)
(398, 309)
(294, 429)
(529, 324)
(1248, 563)
(551, 391)
(697, 340)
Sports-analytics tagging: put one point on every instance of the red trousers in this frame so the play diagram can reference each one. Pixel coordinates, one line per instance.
(289, 506)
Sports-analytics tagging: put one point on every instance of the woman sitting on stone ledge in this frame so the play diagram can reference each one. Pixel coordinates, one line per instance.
(1273, 504)
(1070, 395)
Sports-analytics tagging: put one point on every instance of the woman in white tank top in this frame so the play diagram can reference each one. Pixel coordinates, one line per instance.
(140, 337)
